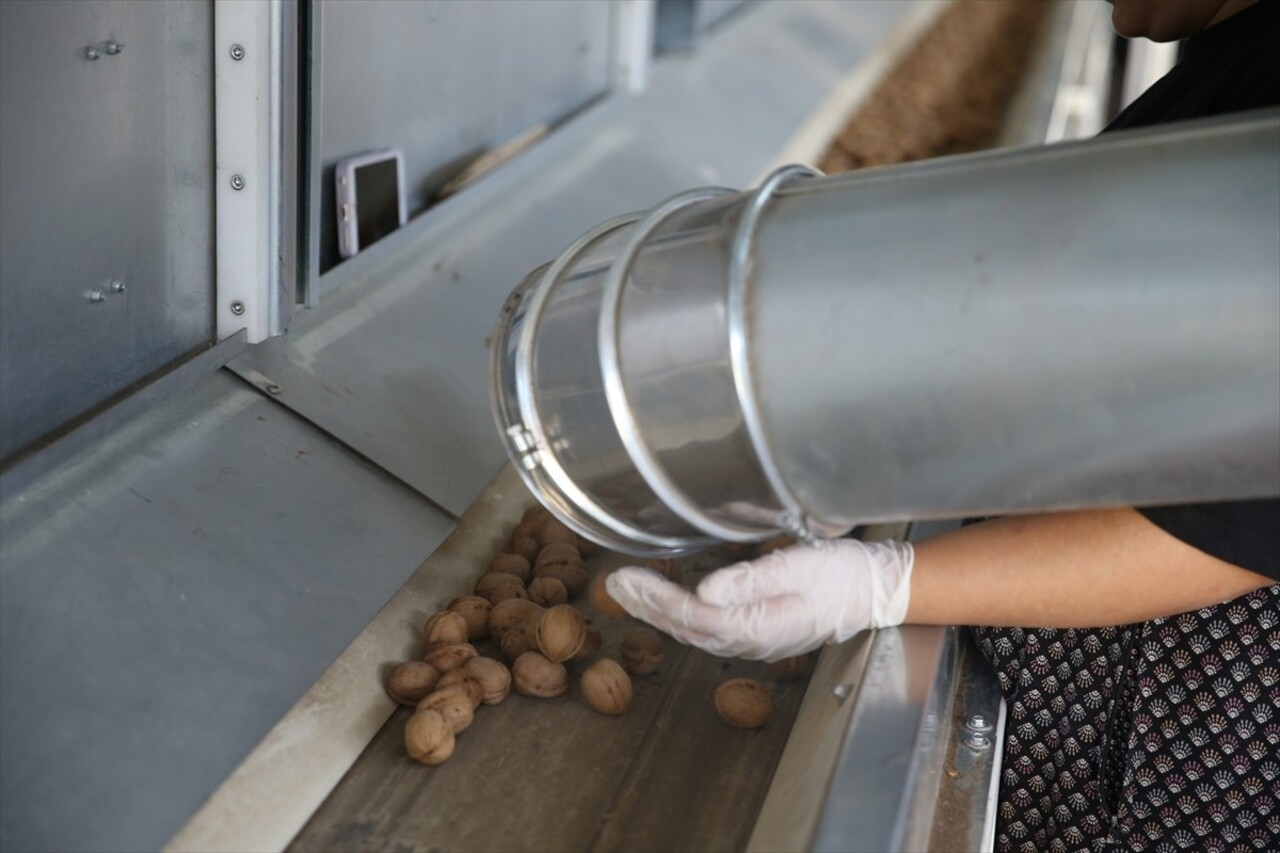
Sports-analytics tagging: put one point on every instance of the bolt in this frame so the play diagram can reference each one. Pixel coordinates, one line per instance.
(116, 286)
(841, 692)
(237, 182)
(237, 52)
(237, 307)
(977, 741)
(113, 47)
(978, 722)
(91, 52)
(95, 295)
(274, 390)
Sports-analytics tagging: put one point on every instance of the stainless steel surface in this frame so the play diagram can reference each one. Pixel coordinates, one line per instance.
(1013, 331)
(167, 595)
(493, 70)
(395, 364)
(906, 778)
(681, 24)
(106, 173)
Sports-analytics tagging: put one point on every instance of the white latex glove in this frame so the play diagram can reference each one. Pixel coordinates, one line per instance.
(784, 603)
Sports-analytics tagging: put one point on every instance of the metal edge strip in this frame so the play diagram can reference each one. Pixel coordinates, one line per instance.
(642, 455)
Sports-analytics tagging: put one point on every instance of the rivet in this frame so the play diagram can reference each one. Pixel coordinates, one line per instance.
(113, 47)
(841, 692)
(237, 52)
(237, 182)
(116, 286)
(94, 295)
(274, 390)
(91, 52)
(237, 307)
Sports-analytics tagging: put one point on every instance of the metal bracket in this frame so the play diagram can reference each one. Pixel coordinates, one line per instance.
(248, 144)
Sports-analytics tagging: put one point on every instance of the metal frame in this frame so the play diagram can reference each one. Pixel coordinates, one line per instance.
(632, 44)
(249, 121)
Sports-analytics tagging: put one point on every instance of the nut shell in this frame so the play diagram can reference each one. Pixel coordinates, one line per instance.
(428, 738)
(560, 632)
(642, 651)
(547, 592)
(505, 615)
(511, 564)
(462, 679)
(789, 669)
(591, 643)
(534, 675)
(744, 702)
(553, 531)
(445, 627)
(499, 586)
(494, 678)
(573, 574)
(452, 703)
(412, 680)
(520, 639)
(475, 610)
(447, 656)
(607, 687)
(559, 552)
(526, 545)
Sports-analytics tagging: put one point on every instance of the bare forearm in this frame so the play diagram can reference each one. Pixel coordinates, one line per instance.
(1076, 569)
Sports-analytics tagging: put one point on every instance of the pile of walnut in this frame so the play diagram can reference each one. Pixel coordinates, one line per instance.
(521, 604)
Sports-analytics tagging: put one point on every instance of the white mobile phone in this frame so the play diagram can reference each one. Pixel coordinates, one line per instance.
(370, 198)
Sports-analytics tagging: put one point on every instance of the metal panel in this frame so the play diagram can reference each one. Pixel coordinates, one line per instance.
(444, 79)
(396, 365)
(165, 598)
(106, 168)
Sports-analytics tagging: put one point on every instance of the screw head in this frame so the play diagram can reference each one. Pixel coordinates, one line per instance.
(237, 182)
(237, 307)
(116, 286)
(94, 295)
(113, 47)
(237, 52)
(977, 721)
(274, 390)
(978, 741)
(91, 52)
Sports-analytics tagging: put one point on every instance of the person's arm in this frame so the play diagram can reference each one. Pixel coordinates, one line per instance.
(1066, 570)
(1092, 568)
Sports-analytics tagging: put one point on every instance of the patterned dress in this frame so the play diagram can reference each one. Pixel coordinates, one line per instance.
(1159, 736)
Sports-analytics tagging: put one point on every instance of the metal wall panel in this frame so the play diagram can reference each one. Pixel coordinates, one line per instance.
(106, 166)
(444, 79)
(167, 596)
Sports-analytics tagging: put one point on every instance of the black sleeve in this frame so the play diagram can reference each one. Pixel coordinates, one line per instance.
(1243, 533)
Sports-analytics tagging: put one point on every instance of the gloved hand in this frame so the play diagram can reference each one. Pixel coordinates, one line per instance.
(782, 604)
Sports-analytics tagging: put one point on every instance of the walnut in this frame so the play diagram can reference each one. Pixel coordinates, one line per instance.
(642, 651)
(452, 703)
(534, 675)
(475, 610)
(447, 656)
(505, 615)
(607, 687)
(511, 564)
(428, 738)
(528, 528)
(744, 702)
(560, 632)
(591, 642)
(525, 545)
(557, 552)
(499, 586)
(790, 669)
(445, 627)
(412, 680)
(573, 574)
(462, 679)
(553, 530)
(494, 678)
(522, 638)
(600, 598)
(548, 592)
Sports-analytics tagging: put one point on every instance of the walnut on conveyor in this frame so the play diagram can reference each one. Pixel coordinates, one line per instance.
(607, 687)
(744, 702)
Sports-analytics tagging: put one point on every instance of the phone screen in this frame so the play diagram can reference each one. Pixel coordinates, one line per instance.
(377, 200)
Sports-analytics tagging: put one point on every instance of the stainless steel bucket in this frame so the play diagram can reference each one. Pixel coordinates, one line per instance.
(1079, 325)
